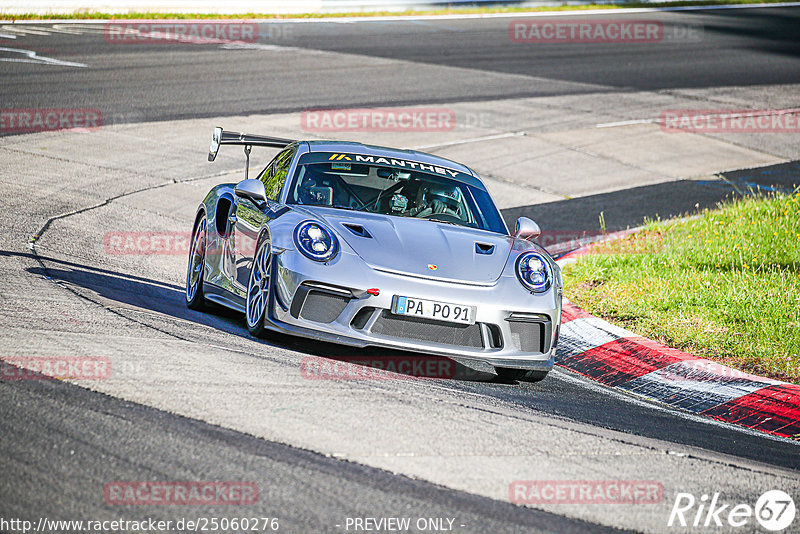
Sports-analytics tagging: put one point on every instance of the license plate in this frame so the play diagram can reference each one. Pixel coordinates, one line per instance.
(432, 309)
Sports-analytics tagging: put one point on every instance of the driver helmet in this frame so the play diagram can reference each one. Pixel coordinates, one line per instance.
(449, 194)
(306, 187)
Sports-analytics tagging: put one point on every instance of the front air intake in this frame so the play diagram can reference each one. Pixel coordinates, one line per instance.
(322, 307)
(357, 229)
(484, 249)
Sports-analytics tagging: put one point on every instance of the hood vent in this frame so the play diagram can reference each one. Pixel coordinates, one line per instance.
(484, 249)
(357, 229)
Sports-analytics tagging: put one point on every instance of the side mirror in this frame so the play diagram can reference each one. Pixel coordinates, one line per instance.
(252, 189)
(527, 229)
(216, 138)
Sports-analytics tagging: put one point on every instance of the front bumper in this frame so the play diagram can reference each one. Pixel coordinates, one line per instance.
(329, 302)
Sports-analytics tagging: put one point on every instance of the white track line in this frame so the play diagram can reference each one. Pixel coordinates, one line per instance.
(69, 31)
(625, 123)
(473, 140)
(24, 31)
(32, 57)
(736, 113)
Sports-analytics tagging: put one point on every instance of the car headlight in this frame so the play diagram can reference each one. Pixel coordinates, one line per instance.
(316, 241)
(534, 272)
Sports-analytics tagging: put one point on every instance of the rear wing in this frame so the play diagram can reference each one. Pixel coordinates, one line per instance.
(223, 137)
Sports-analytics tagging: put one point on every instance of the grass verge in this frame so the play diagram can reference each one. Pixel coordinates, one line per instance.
(88, 15)
(723, 286)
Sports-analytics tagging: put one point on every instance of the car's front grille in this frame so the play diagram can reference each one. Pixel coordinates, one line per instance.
(527, 336)
(322, 307)
(391, 325)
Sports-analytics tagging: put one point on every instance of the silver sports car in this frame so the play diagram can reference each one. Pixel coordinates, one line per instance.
(369, 246)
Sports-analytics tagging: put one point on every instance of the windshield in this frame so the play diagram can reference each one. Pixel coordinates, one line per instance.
(396, 190)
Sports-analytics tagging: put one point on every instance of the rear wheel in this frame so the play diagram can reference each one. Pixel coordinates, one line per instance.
(194, 273)
(258, 288)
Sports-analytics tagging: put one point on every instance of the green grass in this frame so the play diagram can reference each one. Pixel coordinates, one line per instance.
(87, 15)
(723, 286)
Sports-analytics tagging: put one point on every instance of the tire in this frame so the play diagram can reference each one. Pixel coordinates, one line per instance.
(507, 374)
(259, 288)
(195, 299)
(535, 376)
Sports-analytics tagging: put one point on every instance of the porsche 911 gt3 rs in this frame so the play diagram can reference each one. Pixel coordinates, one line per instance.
(370, 246)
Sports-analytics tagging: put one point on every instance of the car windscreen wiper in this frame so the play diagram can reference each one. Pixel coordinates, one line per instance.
(442, 222)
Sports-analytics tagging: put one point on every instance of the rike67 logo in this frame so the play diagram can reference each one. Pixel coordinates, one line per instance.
(773, 511)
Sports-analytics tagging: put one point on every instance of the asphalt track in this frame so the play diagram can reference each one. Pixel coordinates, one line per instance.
(306, 491)
(151, 82)
(61, 442)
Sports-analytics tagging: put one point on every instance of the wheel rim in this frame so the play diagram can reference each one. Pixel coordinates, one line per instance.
(196, 256)
(258, 288)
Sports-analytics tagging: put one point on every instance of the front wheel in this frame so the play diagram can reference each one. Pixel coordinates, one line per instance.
(258, 288)
(507, 374)
(535, 376)
(194, 273)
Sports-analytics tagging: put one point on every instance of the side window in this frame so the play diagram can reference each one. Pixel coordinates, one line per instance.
(276, 174)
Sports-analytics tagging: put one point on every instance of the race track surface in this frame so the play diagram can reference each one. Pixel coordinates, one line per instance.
(194, 397)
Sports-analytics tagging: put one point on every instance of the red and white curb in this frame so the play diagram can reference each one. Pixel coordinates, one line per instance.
(623, 360)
